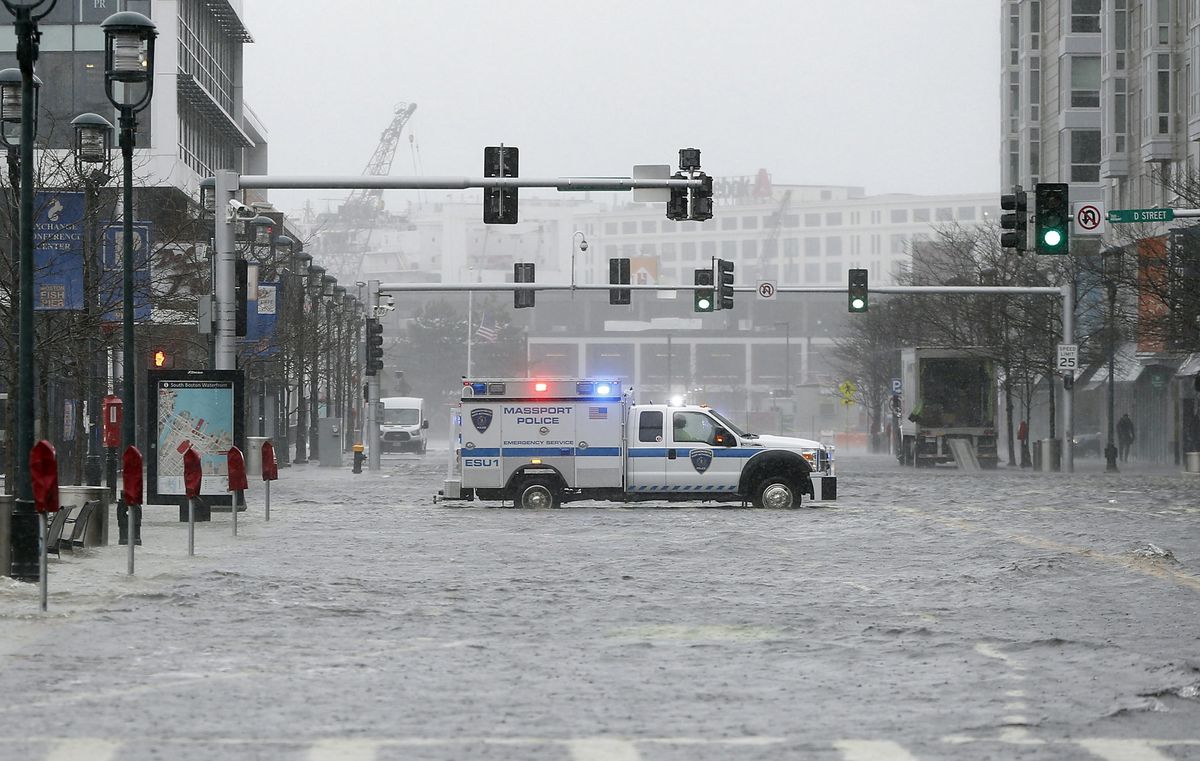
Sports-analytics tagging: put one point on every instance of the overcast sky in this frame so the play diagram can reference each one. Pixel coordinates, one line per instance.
(892, 95)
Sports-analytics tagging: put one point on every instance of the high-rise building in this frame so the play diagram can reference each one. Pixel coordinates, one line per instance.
(1104, 95)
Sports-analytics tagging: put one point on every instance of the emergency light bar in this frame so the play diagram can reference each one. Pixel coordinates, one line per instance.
(548, 388)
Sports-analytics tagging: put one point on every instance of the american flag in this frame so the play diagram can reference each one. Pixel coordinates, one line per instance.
(597, 413)
(487, 331)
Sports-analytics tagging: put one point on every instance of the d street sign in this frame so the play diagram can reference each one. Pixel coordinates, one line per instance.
(1141, 215)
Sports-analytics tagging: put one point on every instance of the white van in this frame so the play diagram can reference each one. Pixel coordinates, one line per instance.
(403, 427)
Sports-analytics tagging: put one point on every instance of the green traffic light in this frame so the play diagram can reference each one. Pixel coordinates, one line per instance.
(857, 304)
(703, 304)
(1052, 238)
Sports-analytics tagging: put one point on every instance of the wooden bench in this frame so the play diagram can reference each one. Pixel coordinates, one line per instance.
(79, 525)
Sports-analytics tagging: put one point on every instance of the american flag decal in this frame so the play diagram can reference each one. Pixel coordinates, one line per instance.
(597, 413)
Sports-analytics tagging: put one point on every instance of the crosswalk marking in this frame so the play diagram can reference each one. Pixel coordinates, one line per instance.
(602, 749)
(343, 750)
(872, 750)
(83, 750)
(1123, 750)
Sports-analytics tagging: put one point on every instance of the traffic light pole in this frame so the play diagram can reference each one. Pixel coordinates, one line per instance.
(372, 388)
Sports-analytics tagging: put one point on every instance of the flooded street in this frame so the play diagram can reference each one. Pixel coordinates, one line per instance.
(924, 615)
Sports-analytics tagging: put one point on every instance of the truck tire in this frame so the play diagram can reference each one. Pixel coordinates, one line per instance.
(537, 494)
(777, 493)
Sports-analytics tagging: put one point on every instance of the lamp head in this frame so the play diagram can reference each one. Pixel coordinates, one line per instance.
(129, 47)
(10, 106)
(93, 138)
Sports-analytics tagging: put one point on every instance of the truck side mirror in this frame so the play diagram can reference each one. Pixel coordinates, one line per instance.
(724, 439)
(424, 424)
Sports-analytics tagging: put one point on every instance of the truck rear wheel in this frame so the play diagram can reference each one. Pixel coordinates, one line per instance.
(537, 494)
(777, 493)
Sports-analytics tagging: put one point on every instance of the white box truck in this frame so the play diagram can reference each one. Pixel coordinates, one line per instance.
(540, 443)
(947, 394)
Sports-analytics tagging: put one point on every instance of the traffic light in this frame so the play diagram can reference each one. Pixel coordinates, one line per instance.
(161, 359)
(240, 291)
(522, 273)
(677, 205)
(618, 274)
(723, 269)
(1051, 201)
(703, 297)
(374, 346)
(500, 204)
(1017, 223)
(702, 203)
(858, 291)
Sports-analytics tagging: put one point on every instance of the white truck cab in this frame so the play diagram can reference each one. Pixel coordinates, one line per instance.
(403, 426)
(543, 442)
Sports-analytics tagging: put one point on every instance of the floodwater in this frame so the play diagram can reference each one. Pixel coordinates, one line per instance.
(925, 615)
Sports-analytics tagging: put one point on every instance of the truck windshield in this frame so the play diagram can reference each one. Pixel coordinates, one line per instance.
(401, 417)
(729, 424)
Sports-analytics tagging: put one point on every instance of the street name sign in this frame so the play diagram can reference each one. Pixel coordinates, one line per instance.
(1141, 215)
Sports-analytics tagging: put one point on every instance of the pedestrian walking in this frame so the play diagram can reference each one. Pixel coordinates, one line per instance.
(1023, 437)
(1125, 436)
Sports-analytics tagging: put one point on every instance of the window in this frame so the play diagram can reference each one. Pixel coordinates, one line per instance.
(833, 219)
(693, 426)
(791, 220)
(1085, 81)
(629, 228)
(668, 252)
(728, 223)
(833, 246)
(812, 220)
(1164, 94)
(649, 227)
(899, 216)
(833, 272)
(1085, 16)
(966, 213)
(791, 247)
(610, 228)
(750, 249)
(897, 244)
(812, 246)
(689, 250)
(812, 273)
(708, 249)
(1085, 155)
(945, 214)
(650, 426)
(749, 223)
(728, 249)
(920, 215)
(668, 226)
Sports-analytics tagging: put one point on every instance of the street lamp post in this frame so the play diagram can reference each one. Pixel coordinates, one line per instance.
(300, 264)
(316, 284)
(338, 307)
(23, 526)
(1112, 270)
(128, 61)
(93, 164)
(260, 233)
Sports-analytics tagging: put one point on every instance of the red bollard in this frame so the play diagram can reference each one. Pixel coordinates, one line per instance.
(131, 492)
(236, 469)
(270, 472)
(43, 466)
(192, 475)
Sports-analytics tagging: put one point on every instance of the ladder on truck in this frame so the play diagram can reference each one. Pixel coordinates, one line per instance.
(964, 453)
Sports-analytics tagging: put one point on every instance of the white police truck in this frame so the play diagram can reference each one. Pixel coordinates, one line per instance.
(540, 443)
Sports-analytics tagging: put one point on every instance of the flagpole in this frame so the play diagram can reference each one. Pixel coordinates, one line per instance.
(470, 322)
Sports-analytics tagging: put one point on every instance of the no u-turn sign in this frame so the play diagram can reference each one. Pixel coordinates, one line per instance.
(1089, 218)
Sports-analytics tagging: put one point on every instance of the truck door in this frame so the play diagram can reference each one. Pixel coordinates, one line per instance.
(696, 460)
(647, 454)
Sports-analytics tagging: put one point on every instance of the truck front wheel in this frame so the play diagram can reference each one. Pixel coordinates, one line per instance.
(537, 494)
(777, 493)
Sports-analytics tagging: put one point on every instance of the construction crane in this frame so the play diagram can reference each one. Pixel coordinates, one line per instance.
(359, 213)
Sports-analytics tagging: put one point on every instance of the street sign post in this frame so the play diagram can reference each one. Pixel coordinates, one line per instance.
(1141, 215)
(897, 386)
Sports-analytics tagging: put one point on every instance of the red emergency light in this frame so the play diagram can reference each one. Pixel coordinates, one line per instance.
(539, 386)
